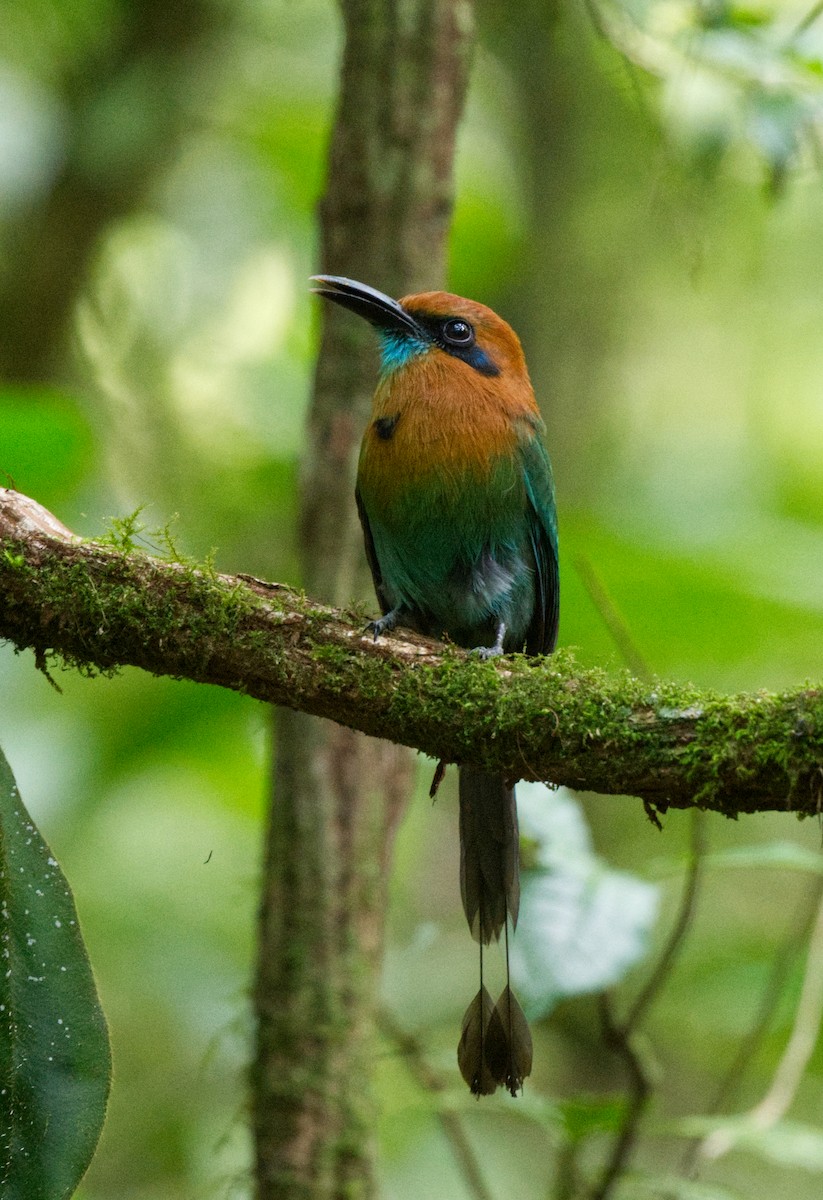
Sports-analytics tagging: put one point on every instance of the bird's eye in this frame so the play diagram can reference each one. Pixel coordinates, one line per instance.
(458, 333)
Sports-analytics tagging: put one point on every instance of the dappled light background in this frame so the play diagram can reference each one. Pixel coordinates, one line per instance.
(664, 271)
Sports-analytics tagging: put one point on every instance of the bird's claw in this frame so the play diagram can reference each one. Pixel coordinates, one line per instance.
(484, 653)
(382, 625)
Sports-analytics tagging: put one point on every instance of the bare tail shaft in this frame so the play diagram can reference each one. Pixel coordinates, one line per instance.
(495, 1045)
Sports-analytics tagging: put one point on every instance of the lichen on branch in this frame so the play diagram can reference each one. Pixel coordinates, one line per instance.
(97, 607)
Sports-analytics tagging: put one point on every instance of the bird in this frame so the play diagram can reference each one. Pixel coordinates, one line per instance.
(456, 500)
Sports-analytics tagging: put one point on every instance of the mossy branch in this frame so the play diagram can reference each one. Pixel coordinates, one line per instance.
(98, 607)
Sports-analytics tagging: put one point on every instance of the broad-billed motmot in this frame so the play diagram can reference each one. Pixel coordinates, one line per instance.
(455, 496)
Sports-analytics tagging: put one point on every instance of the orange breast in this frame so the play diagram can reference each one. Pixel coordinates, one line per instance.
(438, 419)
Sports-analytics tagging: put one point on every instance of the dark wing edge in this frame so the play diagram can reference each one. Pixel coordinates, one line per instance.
(541, 637)
(371, 554)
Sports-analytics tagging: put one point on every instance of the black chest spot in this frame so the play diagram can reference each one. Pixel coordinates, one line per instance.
(385, 426)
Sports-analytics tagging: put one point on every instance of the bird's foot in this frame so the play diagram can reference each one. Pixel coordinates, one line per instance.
(384, 624)
(484, 653)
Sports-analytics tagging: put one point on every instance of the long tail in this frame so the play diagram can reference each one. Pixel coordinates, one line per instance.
(495, 1047)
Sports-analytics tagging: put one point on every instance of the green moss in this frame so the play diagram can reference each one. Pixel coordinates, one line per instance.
(113, 593)
(123, 532)
(105, 607)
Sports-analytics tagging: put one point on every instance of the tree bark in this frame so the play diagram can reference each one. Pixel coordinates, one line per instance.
(337, 796)
(100, 607)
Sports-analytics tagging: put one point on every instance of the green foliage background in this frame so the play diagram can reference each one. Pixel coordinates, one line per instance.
(670, 306)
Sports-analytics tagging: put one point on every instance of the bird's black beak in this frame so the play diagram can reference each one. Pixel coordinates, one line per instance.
(377, 308)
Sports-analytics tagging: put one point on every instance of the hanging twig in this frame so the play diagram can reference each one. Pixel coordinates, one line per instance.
(791, 1068)
(620, 1036)
(639, 1091)
(772, 994)
(450, 1122)
(650, 990)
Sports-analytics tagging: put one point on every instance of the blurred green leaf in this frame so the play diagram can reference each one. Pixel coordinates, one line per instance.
(672, 1187)
(592, 1114)
(781, 855)
(733, 76)
(582, 924)
(771, 854)
(54, 1052)
(787, 1143)
(46, 445)
(700, 615)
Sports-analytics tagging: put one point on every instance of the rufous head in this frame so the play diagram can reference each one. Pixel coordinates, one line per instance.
(431, 323)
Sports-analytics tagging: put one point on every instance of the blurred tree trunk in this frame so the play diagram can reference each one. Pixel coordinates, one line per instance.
(136, 78)
(337, 796)
(565, 300)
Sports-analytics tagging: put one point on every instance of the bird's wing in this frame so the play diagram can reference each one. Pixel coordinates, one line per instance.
(537, 473)
(371, 553)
